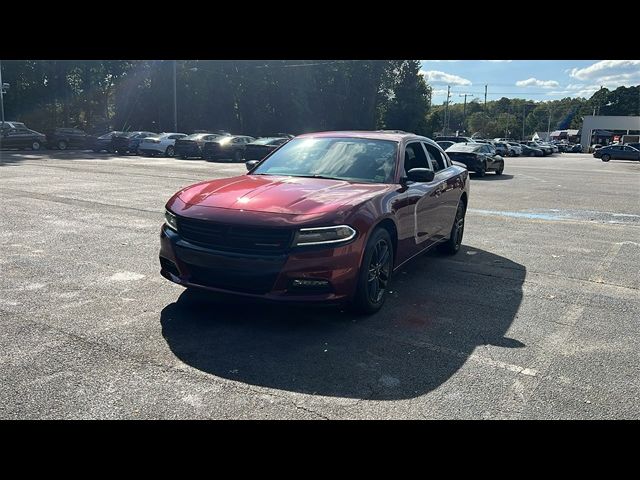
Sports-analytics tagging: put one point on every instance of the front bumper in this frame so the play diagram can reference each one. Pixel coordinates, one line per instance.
(268, 277)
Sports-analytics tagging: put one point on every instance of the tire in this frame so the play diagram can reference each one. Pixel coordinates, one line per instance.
(481, 171)
(605, 158)
(237, 156)
(500, 170)
(36, 145)
(375, 273)
(62, 145)
(170, 151)
(452, 245)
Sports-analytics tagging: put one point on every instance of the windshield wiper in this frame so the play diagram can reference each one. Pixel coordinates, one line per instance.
(317, 176)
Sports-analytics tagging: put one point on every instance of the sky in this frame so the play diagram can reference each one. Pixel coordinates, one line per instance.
(536, 80)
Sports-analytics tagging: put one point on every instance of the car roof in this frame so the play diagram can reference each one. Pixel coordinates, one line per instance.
(394, 135)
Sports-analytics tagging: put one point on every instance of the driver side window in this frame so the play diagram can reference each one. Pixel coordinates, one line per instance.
(415, 157)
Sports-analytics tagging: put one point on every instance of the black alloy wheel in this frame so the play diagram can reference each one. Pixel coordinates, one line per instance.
(452, 245)
(375, 273)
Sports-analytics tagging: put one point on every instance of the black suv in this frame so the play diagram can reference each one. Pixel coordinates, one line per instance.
(63, 138)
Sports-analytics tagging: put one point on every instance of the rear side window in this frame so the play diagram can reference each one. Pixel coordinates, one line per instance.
(439, 163)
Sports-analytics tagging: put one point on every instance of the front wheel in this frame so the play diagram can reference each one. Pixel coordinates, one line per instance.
(237, 156)
(606, 158)
(500, 170)
(170, 152)
(481, 171)
(452, 245)
(35, 145)
(62, 145)
(375, 273)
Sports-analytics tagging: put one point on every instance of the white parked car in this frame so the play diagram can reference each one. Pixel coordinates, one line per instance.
(163, 144)
(515, 150)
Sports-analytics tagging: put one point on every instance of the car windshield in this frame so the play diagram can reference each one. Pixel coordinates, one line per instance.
(352, 159)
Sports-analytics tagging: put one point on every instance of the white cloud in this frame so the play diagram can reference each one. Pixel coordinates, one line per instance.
(534, 82)
(607, 69)
(436, 76)
(437, 92)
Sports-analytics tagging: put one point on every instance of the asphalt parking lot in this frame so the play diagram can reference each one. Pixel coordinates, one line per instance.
(535, 318)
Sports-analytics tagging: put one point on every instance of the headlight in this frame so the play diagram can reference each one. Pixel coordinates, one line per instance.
(170, 220)
(323, 235)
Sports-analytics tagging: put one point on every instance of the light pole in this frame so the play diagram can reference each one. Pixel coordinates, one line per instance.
(524, 106)
(175, 100)
(2, 87)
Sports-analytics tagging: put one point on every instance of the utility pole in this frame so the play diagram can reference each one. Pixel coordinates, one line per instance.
(485, 98)
(464, 110)
(524, 106)
(549, 126)
(175, 100)
(446, 112)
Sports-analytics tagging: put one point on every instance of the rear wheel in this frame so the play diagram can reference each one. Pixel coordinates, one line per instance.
(170, 151)
(375, 273)
(62, 145)
(452, 245)
(606, 158)
(35, 145)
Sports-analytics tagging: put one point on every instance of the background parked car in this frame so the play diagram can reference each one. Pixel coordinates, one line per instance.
(634, 145)
(128, 142)
(478, 157)
(528, 151)
(191, 145)
(444, 144)
(546, 150)
(163, 144)
(261, 147)
(501, 148)
(594, 147)
(104, 142)
(514, 148)
(232, 146)
(22, 138)
(63, 138)
(617, 152)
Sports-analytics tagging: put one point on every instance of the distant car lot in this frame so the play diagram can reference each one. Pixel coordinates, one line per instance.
(536, 317)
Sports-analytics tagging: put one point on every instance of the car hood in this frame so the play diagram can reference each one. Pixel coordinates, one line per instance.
(280, 194)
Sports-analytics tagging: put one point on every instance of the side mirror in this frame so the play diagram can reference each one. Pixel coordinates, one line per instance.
(251, 164)
(420, 175)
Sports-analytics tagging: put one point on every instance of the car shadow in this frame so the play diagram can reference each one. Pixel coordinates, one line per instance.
(490, 177)
(438, 311)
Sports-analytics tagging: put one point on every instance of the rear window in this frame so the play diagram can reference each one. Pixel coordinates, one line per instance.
(463, 147)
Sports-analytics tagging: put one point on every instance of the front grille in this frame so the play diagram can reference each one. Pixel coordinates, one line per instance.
(233, 238)
(239, 281)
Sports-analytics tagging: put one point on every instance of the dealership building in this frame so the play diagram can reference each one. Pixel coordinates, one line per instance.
(606, 129)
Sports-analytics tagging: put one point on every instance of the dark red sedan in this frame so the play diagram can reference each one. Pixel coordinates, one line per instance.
(325, 218)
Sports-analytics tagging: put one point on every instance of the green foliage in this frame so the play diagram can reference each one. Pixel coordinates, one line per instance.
(265, 97)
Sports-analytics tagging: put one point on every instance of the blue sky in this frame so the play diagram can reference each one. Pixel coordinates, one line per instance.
(536, 80)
